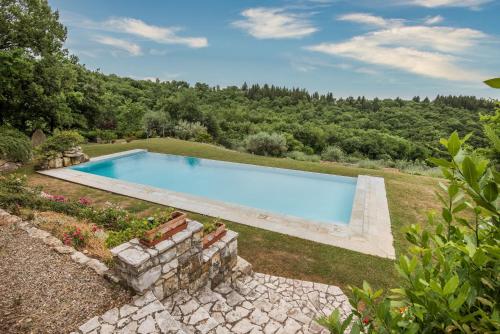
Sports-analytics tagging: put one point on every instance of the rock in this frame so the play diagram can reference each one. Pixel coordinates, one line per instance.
(107, 329)
(133, 257)
(111, 317)
(147, 326)
(51, 163)
(236, 314)
(79, 257)
(291, 326)
(145, 280)
(8, 166)
(66, 161)
(127, 309)
(207, 326)
(234, 298)
(38, 137)
(131, 328)
(199, 315)
(258, 317)
(167, 323)
(64, 249)
(99, 267)
(89, 325)
(243, 327)
(278, 314)
(52, 241)
(58, 162)
(271, 327)
(144, 300)
(189, 307)
(148, 309)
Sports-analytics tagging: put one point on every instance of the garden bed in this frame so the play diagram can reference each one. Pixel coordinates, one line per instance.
(46, 292)
(90, 228)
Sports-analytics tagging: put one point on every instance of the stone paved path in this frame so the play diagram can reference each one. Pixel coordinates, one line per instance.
(255, 304)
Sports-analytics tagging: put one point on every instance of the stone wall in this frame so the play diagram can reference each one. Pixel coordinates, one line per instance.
(67, 158)
(179, 262)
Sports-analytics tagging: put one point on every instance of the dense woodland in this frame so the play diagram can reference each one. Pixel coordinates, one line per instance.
(42, 86)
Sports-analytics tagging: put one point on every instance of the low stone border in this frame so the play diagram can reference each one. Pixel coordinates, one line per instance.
(57, 245)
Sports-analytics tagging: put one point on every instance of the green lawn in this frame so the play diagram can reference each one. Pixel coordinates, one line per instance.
(410, 197)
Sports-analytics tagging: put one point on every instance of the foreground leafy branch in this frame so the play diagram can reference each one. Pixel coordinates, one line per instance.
(450, 274)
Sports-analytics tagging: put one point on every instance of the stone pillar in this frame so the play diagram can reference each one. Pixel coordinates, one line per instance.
(176, 263)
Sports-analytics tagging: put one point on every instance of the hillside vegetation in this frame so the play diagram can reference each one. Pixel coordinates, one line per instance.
(43, 86)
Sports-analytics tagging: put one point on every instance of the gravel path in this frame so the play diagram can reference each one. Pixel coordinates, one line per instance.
(42, 291)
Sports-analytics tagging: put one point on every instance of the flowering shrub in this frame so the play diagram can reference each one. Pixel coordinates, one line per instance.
(75, 237)
(85, 201)
(450, 280)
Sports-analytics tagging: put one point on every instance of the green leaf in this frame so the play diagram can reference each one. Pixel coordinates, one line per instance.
(457, 302)
(492, 136)
(493, 83)
(490, 191)
(440, 162)
(469, 170)
(451, 285)
(454, 144)
(447, 215)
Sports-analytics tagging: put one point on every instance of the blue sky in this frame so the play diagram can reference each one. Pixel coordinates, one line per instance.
(368, 47)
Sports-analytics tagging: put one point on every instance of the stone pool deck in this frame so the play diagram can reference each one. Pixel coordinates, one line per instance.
(369, 230)
(255, 304)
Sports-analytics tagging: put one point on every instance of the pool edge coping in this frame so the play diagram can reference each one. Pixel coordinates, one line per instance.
(368, 231)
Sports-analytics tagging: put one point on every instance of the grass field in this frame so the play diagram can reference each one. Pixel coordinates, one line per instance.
(410, 198)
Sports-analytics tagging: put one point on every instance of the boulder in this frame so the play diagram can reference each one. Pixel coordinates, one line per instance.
(8, 166)
(58, 162)
(66, 161)
(52, 163)
(38, 137)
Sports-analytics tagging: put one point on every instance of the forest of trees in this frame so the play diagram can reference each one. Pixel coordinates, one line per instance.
(42, 86)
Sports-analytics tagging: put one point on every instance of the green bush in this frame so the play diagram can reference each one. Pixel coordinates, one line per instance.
(301, 156)
(450, 274)
(110, 217)
(264, 143)
(59, 142)
(14, 145)
(333, 153)
(106, 136)
(192, 131)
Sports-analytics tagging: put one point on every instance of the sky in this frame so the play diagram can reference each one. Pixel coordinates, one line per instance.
(383, 48)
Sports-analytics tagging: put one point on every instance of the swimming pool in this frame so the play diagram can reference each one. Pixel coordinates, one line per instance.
(312, 196)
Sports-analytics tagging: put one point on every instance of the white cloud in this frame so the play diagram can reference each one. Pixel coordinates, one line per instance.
(162, 35)
(267, 23)
(121, 44)
(157, 52)
(370, 19)
(424, 50)
(430, 20)
(448, 3)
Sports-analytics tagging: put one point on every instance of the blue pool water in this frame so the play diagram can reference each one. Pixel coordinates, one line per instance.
(314, 196)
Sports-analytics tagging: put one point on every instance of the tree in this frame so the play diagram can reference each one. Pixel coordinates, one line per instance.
(156, 122)
(32, 26)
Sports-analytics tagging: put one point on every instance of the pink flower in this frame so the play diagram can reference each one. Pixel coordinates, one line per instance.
(84, 201)
(57, 198)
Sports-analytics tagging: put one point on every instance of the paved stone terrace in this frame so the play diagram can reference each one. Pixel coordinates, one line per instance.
(255, 304)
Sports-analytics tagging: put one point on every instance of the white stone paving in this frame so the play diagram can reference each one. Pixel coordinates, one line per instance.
(254, 304)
